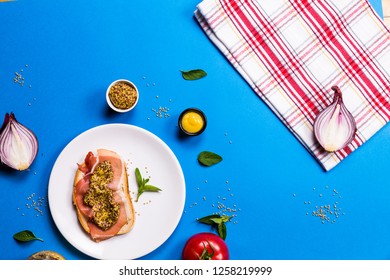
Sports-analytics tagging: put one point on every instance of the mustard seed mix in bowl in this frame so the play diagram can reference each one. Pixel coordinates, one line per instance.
(122, 95)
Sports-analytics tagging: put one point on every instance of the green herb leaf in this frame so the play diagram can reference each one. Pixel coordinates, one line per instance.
(222, 230)
(138, 177)
(207, 158)
(142, 185)
(139, 194)
(150, 188)
(26, 235)
(192, 75)
(226, 218)
(218, 222)
(208, 220)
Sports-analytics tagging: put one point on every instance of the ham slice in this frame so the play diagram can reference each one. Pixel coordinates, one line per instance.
(89, 163)
(80, 190)
(118, 186)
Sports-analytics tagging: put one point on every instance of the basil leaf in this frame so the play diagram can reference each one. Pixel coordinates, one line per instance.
(142, 185)
(220, 220)
(26, 235)
(217, 220)
(222, 230)
(150, 188)
(207, 158)
(138, 177)
(140, 191)
(226, 218)
(208, 220)
(192, 75)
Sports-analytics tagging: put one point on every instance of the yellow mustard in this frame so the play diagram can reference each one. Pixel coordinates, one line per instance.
(192, 122)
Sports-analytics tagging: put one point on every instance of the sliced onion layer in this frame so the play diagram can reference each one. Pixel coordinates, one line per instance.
(335, 127)
(18, 144)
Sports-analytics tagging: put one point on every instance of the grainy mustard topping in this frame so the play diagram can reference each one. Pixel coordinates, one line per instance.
(100, 197)
(122, 95)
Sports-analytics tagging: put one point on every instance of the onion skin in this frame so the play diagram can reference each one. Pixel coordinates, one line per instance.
(18, 144)
(46, 255)
(335, 127)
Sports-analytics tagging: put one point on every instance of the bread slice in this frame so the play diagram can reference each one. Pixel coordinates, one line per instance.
(125, 195)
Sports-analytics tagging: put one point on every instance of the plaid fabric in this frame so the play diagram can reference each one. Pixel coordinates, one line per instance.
(291, 52)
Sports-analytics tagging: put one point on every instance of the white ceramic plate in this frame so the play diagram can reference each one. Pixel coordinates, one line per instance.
(157, 214)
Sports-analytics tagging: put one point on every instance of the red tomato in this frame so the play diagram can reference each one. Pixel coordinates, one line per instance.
(205, 246)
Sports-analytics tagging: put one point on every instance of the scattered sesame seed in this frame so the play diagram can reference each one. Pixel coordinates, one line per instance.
(162, 112)
(18, 79)
(326, 212)
(36, 205)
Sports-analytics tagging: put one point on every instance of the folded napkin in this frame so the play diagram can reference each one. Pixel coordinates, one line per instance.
(291, 52)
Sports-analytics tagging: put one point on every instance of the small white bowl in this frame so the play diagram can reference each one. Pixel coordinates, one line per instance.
(109, 100)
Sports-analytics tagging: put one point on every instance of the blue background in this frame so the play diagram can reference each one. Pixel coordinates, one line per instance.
(75, 49)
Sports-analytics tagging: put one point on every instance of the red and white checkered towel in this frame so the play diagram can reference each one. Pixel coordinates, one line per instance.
(291, 52)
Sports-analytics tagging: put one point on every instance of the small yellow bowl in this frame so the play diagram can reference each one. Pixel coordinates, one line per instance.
(192, 121)
(122, 95)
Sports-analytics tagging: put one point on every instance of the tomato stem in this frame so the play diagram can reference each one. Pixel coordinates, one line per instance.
(205, 253)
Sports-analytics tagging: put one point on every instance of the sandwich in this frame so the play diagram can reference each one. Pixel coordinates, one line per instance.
(101, 195)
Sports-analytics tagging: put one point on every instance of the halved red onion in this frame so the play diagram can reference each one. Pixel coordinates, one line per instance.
(18, 144)
(335, 127)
